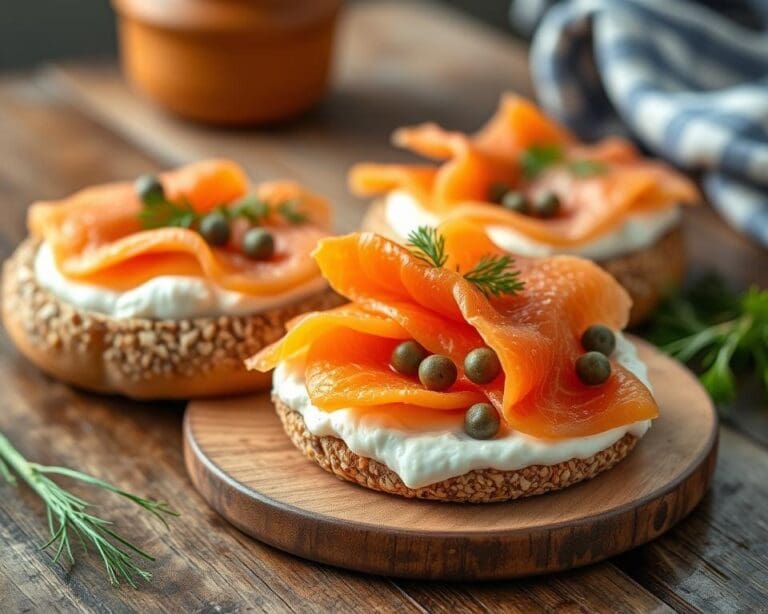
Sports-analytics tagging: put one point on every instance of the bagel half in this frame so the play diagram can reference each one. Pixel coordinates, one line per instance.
(476, 486)
(648, 275)
(139, 358)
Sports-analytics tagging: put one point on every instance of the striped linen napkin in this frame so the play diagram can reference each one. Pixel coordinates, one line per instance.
(689, 83)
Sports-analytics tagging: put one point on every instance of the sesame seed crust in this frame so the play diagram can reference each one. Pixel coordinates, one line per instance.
(647, 274)
(139, 357)
(476, 486)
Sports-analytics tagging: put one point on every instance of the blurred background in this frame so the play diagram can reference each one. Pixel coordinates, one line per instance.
(42, 30)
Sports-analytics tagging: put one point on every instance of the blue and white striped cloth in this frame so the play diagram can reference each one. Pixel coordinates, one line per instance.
(688, 83)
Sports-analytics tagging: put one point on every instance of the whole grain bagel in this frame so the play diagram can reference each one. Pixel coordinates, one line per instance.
(137, 357)
(476, 486)
(647, 274)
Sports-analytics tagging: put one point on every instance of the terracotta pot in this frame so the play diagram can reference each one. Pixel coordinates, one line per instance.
(228, 61)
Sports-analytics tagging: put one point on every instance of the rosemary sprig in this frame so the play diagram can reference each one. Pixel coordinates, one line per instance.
(493, 275)
(428, 245)
(717, 332)
(68, 515)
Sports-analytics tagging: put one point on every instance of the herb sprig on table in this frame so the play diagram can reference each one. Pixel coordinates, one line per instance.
(717, 332)
(493, 275)
(69, 516)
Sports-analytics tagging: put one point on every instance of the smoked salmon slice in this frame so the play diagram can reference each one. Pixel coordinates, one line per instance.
(535, 333)
(458, 186)
(97, 235)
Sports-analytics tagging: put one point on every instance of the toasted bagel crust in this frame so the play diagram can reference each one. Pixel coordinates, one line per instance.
(648, 274)
(477, 486)
(137, 357)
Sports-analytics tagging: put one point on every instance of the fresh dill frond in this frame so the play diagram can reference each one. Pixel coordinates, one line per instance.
(428, 245)
(496, 275)
(69, 516)
(717, 332)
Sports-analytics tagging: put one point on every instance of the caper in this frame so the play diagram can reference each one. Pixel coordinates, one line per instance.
(149, 190)
(599, 338)
(437, 372)
(407, 357)
(546, 205)
(258, 244)
(593, 368)
(215, 228)
(497, 191)
(515, 201)
(481, 421)
(482, 365)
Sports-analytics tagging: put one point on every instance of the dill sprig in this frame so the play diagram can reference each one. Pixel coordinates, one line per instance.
(717, 332)
(493, 275)
(69, 517)
(428, 245)
(291, 213)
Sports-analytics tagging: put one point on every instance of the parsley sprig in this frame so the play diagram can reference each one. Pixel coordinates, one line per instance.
(717, 332)
(69, 516)
(493, 275)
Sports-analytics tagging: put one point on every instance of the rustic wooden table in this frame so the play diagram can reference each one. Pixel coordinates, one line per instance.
(67, 127)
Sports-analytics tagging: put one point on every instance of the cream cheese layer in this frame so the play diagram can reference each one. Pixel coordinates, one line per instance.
(424, 455)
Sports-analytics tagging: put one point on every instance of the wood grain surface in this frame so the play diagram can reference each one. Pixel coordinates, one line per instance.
(413, 62)
(244, 465)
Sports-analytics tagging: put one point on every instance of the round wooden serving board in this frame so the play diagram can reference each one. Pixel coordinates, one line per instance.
(245, 466)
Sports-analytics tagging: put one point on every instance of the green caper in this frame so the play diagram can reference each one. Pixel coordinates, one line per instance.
(481, 421)
(599, 338)
(482, 365)
(407, 357)
(215, 228)
(546, 204)
(496, 191)
(258, 244)
(437, 372)
(515, 201)
(593, 368)
(149, 190)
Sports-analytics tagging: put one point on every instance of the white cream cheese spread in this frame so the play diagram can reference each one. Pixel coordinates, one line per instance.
(404, 213)
(422, 456)
(167, 297)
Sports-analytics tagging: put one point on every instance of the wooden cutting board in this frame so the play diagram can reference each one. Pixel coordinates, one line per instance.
(246, 468)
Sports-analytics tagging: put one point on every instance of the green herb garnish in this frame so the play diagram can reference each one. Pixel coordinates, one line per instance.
(428, 245)
(537, 158)
(165, 213)
(587, 168)
(493, 275)
(68, 516)
(717, 332)
(158, 211)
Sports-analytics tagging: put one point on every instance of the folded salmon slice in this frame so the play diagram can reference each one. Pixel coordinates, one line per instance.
(458, 187)
(535, 333)
(97, 236)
